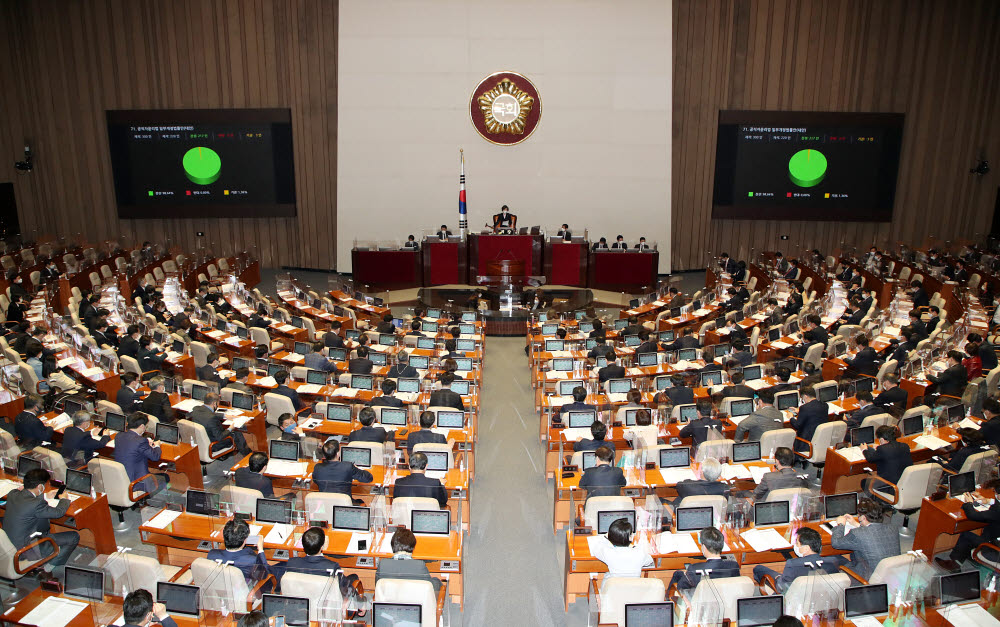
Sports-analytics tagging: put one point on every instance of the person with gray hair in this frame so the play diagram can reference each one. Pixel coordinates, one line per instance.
(78, 444)
(707, 484)
(158, 402)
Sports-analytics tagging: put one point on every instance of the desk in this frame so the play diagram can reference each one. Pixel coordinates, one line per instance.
(942, 518)
(388, 269)
(445, 263)
(566, 262)
(628, 271)
(107, 611)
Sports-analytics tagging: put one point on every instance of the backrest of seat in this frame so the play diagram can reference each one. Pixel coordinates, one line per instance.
(277, 404)
(103, 407)
(596, 504)
(260, 337)
(923, 410)
(817, 590)
(7, 550)
(709, 592)
(617, 592)
(436, 448)
(319, 505)
(110, 477)
(792, 495)
(775, 439)
(325, 601)
(29, 379)
(403, 506)
(242, 500)
(409, 591)
(8, 446)
(915, 483)
(377, 450)
(826, 435)
(131, 364)
(53, 462)
(188, 430)
(876, 421)
(897, 570)
(718, 449)
(199, 351)
(222, 586)
(132, 571)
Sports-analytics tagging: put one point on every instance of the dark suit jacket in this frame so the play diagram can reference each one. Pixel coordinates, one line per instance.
(398, 370)
(76, 440)
(893, 396)
(680, 395)
(987, 356)
(370, 434)
(207, 418)
(307, 564)
(861, 413)
(802, 566)
(339, 476)
(794, 303)
(360, 365)
(134, 452)
(390, 568)
(952, 381)
(811, 415)
(697, 429)
(208, 374)
(27, 514)
(158, 404)
(30, 430)
(603, 480)
(244, 478)
(129, 346)
(990, 431)
(699, 487)
(333, 340)
(684, 342)
(446, 398)
(991, 517)
(424, 436)
(610, 372)
(648, 346)
(586, 444)
(715, 569)
(741, 391)
(864, 361)
(890, 460)
(150, 360)
(284, 390)
(127, 399)
(247, 559)
(419, 484)
(957, 459)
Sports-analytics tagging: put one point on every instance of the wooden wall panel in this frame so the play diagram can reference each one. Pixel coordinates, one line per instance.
(937, 62)
(66, 62)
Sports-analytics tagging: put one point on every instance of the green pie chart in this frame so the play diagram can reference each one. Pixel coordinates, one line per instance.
(807, 168)
(202, 165)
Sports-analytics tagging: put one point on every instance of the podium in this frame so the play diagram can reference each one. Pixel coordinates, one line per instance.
(505, 255)
(445, 262)
(387, 269)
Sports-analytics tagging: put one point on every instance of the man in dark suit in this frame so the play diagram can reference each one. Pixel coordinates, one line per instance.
(678, 393)
(952, 381)
(603, 479)
(129, 344)
(783, 476)
(414, 331)
(708, 483)
(807, 547)
(50, 272)
(686, 340)
(870, 539)
(313, 562)
(969, 540)
(699, 428)
(780, 263)
(386, 325)
(813, 376)
(402, 565)
(251, 561)
(386, 399)
(134, 451)
(419, 484)
(620, 244)
(866, 408)
(784, 375)
(367, 432)
(280, 378)
(863, 361)
(250, 476)
(579, 401)
(157, 402)
(103, 334)
(987, 354)
(612, 371)
(648, 345)
(601, 244)
(218, 433)
(424, 435)
(916, 326)
(402, 368)
(445, 397)
(30, 429)
(727, 264)
(892, 394)
(361, 364)
(138, 609)
(808, 417)
(890, 457)
(332, 338)
(794, 303)
(990, 429)
(78, 444)
(602, 349)
(737, 388)
(918, 294)
(598, 431)
(712, 544)
(128, 394)
(149, 359)
(15, 310)
(209, 373)
(331, 475)
(27, 514)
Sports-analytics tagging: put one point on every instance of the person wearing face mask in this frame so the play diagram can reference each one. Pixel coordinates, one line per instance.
(28, 515)
(138, 610)
(807, 546)
(504, 221)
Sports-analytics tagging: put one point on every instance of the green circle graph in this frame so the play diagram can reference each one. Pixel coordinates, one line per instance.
(807, 168)
(202, 165)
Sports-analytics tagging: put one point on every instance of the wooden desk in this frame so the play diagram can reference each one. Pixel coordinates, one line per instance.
(388, 269)
(629, 271)
(107, 611)
(940, 522)
(565, 263)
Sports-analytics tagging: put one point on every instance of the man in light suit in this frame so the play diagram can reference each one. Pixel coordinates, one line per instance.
(316, 361)
(28, 513)
(765, 418)
(783, 477)
(870, 539)
(402, 565)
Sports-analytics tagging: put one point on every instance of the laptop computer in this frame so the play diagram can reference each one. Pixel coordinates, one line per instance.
(675, 457)
(284, 449)
(167, 433)
(201, 502)
(606, 517)
(431, 521)
(338, 412)
(960, 587)
(83, 583)
(274, 511)
(396, 615)
(393, 416)
(649, 614)
(178, 598)
(360, 457)
(79, 481)
(840, 504)
(746, 452)
(772, 513)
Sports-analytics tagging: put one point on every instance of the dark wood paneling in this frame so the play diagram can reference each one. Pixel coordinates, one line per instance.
(66, 62)
(937, 62)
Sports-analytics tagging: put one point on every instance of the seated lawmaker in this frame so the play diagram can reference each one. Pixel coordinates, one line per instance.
(367, 432)
(808, 417)
(617, 552)
(446, 397)
(890, 457)
(619, 244)
(78, 445)
(598, 431)
(250, 560)
(251, 476)
(317, 361)
(712, 544)
(313, 562)
(612, 371)
(360, 364)
(807, 546)
(699, 428)
(424, 435)
(783, 475)
(766, 417)
(331, 475)
(579, 401)
(603, 479)
(863, 361)
(386, 399)
(402, 565)
(870, 540)
(419, 484)
(402, 367)
(707, 483)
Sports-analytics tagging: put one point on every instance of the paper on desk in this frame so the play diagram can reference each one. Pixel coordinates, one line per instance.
(225, 374)
(295, 358)
(188, 404)
(969, 615)
(757, 384)
(385, 544)
(408, 397)
(347, 392)
(62, 420)
(852, 454)
(553, 375)
(618, 397)
(559, 401)
(164, 518)
(267, 382)
(172, 355)
(6, 486)
(279, 534)
(635, 372)
(54, 612)
(576, 433)
(931, 442)
(561, 354)
(779, 344)
(969, 423)
(62, 363)
(215, 334)
(676, 475)
(758, 472)
(442, 431)
(794, 379)
(866, 621)
(286, 328)
(352, 545)
(312, 423)
(701, 312)
(92, 372)
(233, 341)
(668, 542)
(255, 529)
(237, 422)
(285, 468)
(765, 540)
(736, 471)
(684, 364)
(309, 388)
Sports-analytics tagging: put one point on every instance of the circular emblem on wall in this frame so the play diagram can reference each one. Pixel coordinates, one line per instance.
(505, 108)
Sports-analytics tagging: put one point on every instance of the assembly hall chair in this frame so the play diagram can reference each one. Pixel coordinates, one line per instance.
(906, 495)
(319, 505)
(110, 477)
(717, 502)
(597, 504)
(190, 431)
(877, 420)
(817, 590)
(888, 367)
(896, 572)
(615, 593)
(401, 509)
(52, 461)
(279, 404)
(223, 587)
(129, 570)
(241, 500)
(827, 434)
(709, 592)
(14, 566)
(411, 591)
(326, 605)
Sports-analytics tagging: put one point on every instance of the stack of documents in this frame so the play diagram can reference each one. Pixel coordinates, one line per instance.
(188, 404)
(765, 540)
(309, 388)
(285, 468)
(931, 442)
(852, 454)
(164, 518)
(267, 382)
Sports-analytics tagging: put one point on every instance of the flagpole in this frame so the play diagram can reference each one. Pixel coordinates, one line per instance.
(463, 221)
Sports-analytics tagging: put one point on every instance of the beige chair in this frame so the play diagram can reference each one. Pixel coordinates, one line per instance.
(261, 337)
(132, 571)
(718, 448)
(189, 430)
(13, 564)
(774, 439)
(876, 421)
(319, 505)
(727, 589)
(378, 450)
(52, 461)
(919, 410)
(816, 590)
(131, 364)
(8, 447)
(241, 500)
(223, 264)
(224, 587)
(103, 407)
(792, 495)
(826, 435)
(907, 494)
(414, 592)
(617, 592)
(110, 477)
(403, 507)
(326, 605)
(29, 380)
(277, 405)
(436, 448)
(597, 504)
(199, 352)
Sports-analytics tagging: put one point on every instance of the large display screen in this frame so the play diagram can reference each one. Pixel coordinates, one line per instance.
(794, 165)
(202, 163)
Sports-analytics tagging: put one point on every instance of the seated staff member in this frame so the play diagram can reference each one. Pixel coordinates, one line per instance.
(27, 517)
(715, 566)
(599, 431)
(870, 539)
(603, 479)
(708, 483)
(699, 428)
(617, 552)
(402, 565)
(139, 610)
(443, 233)
(565, 233)
(601, 244)
(619, 244)
(419, 484)
(78, 445)
(642, 245)
(368, 432)
(218, 433)
(250, 560)
(504, 221)
(808, 417)
(807, 547)
(331, 475)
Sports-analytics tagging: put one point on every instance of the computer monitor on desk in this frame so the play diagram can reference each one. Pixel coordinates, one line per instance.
(178, 598)
(294, 609)
(360, 457)
(837, 505)
(284, 449)
(397, 615)
(649, 614)
(675, 457)
(274, 511)
(759, 611)
(578, 419)
(83, 583)
(606, 517)
(350, 518)
(693, 518)
(770, 514)
(866, 600)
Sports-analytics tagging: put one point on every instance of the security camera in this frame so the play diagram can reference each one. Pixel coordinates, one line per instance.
(982, 168)
(26, 165)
